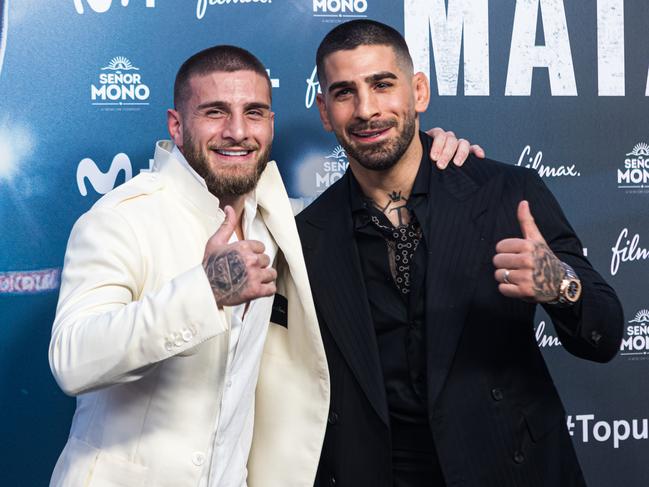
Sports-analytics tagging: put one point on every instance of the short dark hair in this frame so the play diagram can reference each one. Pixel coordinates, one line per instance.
(221, 58)
(362, 32)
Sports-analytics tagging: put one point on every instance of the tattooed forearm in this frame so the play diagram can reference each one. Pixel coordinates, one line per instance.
(227, 274)
(547, 273)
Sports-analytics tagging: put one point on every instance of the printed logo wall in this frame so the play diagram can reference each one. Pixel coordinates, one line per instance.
(121, 87)
(635, 344)
(518, 77)
(634, 175)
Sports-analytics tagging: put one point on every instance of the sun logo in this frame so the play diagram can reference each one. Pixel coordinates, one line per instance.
(120, 63)
(641, 316)
(641, 149)
(337, 153)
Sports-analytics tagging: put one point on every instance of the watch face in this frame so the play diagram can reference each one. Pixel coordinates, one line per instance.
(573, 291)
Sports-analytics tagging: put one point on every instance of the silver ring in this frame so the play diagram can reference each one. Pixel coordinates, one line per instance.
(506, 277)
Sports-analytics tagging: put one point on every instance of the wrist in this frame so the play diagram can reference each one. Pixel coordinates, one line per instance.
(569, 287)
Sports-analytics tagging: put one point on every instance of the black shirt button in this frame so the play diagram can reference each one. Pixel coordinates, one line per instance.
(333, 418)
(519, 457)
(497, 394)
(595, 337)
(332, 481)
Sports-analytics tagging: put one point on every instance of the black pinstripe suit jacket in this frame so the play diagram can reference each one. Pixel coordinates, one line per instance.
(494, 411)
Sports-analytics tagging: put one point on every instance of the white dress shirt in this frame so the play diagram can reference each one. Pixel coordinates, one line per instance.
(225, 462)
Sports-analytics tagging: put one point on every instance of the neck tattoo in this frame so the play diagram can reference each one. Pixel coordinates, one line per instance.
(395, 209)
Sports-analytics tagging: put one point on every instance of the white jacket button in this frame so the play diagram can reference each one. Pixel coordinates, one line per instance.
(187, 335)
(198, 458)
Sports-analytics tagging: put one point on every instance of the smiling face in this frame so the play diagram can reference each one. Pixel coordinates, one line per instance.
(225, 129)
(371, 103)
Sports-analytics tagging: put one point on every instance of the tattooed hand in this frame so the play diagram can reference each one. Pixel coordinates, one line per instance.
(526, 268)
(238, 272)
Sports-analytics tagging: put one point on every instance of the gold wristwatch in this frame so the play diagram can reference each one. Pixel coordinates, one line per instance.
(569, 288)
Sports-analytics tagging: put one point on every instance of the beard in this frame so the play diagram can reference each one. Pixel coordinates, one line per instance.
(381, 155)
(223, 181)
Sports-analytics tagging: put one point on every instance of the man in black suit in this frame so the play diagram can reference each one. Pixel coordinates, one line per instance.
(436, 378)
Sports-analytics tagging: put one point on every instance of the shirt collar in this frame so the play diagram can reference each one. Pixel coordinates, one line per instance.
(422, 180)
(207, 200)
(249, 212)
(358, 199)
(250, 205)
(251, 198)
(183, 162)
(420, 186)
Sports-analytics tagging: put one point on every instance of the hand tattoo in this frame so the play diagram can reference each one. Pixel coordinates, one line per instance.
(547, 273)
(227, 274)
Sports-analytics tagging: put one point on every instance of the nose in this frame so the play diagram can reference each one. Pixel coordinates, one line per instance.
(366, 105)
(235, 128)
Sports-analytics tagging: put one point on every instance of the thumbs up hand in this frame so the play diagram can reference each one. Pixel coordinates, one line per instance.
(526, 268)
(238, 272)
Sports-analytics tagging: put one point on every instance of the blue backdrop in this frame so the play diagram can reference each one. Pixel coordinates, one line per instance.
(558, 86)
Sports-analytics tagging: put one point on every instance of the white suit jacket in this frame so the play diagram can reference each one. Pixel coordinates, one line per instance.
(140, 341)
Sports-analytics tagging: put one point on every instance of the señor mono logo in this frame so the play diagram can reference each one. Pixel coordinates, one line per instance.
(333, 168)
(341, 9)
(634, 176)
(636, 343)
(120, 85)
(315, 172)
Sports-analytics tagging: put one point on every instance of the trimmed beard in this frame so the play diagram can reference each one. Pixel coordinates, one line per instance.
(382, 155)
(224, 185)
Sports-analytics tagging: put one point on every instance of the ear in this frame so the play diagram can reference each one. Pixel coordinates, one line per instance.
(175, 127)
(322, 108)
(272, 125)
(421, 89)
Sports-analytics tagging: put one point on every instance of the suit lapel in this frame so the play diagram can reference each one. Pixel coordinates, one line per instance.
(461, 219)
(331, 253)
(277, 214)
(276, 211)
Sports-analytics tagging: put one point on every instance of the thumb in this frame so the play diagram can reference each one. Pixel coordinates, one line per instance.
(223, 234)
(526, 221)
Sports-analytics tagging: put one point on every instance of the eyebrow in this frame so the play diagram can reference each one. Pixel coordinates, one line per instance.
(226, 106)
(257, 105)
(370, 79)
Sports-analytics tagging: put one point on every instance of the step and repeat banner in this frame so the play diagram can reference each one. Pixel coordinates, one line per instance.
(559, 86)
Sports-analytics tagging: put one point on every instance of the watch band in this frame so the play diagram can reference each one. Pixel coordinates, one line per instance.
(569, 288)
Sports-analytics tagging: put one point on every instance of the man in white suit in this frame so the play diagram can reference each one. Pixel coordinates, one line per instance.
(169, 285)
